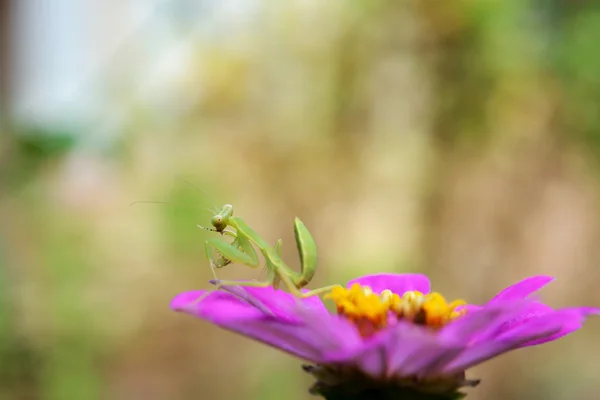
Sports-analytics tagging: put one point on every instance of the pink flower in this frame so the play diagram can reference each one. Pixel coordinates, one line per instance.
(390, 330)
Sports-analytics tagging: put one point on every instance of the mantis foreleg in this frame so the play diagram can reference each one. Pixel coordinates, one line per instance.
(272, 277)
(293, 289)
(240, 251)
(275, 279)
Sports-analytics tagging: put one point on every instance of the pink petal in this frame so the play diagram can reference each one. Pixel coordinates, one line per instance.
(215, 306)
(280, 303)
(302, 332)
(397, 283)
(532, 310)
(482, 324)
(487, 349)
(420, 352)
(572, 320)
(522, 289)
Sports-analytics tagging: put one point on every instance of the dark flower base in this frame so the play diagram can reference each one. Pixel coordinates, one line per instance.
(334, 383)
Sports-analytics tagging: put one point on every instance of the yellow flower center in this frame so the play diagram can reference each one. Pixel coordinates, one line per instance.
(371, 311)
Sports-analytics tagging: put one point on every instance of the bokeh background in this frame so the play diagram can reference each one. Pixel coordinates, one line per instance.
(456, 138)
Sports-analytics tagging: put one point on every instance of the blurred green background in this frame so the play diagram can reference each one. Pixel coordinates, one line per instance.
(456, 138)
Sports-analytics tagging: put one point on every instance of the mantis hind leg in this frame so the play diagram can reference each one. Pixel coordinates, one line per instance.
(220, 283)
(296, 290)
(271, 277)
(319, 291)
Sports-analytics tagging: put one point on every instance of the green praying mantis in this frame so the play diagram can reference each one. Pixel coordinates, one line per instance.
(241, 250)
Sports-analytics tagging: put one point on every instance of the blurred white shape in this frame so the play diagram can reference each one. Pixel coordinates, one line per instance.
(50, 59)
(76, 59)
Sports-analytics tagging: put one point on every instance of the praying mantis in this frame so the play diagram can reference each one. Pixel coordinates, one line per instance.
(241, 250)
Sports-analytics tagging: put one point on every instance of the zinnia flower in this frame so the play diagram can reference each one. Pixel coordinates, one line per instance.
(391, 336)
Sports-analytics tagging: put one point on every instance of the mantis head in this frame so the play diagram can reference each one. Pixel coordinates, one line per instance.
(221, 219)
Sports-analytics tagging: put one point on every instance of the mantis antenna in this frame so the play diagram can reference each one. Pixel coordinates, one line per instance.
(216, 211)
(187, 182)
(164, 202)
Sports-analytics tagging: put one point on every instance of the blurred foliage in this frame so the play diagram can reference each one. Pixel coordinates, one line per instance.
(16, 355)
(460, 139)
(29, 151)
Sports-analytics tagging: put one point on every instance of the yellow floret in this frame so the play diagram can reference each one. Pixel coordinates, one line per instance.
(370, 311)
